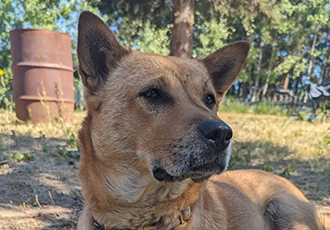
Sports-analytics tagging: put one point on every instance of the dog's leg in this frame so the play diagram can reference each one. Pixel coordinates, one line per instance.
(85, 221)
(284, 214)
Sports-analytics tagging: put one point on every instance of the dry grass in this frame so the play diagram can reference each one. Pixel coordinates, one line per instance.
(10, 124)
(301, 140)
(298, 150)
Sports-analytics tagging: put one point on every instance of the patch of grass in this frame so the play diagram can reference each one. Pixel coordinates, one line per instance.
(16, 135)
(42, 141)
(287, 170)
(234, 106)
(268, 167)
(260, 139)
(326, 141)
(69, 149)
(63, 151)
(40, 131)
(267, 108)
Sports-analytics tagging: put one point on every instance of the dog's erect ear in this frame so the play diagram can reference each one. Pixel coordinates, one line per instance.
(225, 64)
(98, 50)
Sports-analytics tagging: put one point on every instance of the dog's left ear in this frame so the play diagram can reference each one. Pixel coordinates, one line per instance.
(225, 64)
(99, 51)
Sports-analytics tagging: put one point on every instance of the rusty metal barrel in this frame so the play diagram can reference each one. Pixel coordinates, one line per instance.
(43, 75)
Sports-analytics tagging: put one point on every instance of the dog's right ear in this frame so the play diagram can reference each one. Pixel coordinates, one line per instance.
(98, 50)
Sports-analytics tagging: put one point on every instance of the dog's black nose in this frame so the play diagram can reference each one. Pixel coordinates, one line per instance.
(216, 131)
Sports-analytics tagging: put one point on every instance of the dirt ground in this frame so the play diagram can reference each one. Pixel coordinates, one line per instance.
(40, 194)
(43, 192)
(39, 187)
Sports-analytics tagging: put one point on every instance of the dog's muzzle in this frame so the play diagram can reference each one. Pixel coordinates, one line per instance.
(208, 155)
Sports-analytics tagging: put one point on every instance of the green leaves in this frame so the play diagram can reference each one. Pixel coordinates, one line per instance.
(213, 36)
(286, 29)
(153, 40)
(289, 62)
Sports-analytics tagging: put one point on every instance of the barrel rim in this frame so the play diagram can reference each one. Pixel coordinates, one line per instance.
(41, 30)
(45, 98)
(46, 65)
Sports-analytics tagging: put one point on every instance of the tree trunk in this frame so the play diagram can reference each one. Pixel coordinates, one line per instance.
(286, 82)
(310, 64)
(326, 77)
(181, 38)
(326, 68)
(244, 91)
(258, 72)
(296, 88)
(269, 71)
(240, 90)
(311, 58)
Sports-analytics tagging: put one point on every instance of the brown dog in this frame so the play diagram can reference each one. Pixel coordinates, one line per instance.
(152, 144)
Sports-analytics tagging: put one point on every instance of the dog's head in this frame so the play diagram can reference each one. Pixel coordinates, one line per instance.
(155, 110)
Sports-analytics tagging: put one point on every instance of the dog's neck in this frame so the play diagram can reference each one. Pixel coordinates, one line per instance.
(129, 200)
(133, 184)
(156, 204)
(182, 220)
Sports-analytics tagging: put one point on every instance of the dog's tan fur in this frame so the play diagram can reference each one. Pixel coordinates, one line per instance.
(123, 135)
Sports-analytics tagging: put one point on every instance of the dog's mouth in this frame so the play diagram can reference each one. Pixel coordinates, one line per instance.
(161, 175)
(197, 174)
(197, 157)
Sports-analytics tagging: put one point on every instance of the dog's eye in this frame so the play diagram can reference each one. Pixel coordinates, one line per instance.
(155, 95)
(209, 100)
(152, 94)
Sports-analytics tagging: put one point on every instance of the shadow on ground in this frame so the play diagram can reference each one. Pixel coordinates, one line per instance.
(41, 193)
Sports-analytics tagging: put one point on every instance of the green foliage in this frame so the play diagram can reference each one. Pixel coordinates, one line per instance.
(288, 63)
(281, 32)
(16, 156)
(235, 106)
(266, 167)
(126, 11)
(70, 149)
(266, 108)
(153, 40)
(214, 35)
(72, 142)
(326, 141)
(42, 141)
(285, 26)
